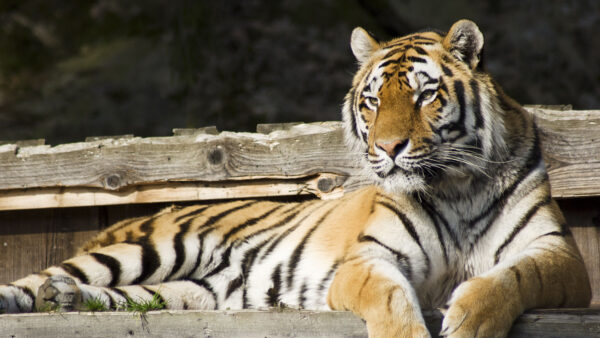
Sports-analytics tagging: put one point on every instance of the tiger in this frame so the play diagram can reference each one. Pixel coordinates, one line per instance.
(456, 214)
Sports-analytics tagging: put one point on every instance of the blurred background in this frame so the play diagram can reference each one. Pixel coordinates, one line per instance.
(71, 69)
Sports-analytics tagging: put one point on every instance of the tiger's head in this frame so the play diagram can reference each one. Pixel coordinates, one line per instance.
(421, 109)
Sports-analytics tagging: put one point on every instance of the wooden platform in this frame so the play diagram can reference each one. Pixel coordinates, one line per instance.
(247, 324)
(54, 198)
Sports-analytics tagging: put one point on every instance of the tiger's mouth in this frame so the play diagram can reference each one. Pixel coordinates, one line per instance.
(427, 173)
(423, 169)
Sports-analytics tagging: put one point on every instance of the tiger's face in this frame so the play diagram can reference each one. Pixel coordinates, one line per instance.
(415, 112)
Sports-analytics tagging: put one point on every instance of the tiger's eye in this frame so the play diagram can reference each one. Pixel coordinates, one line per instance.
(427, 95)
(373, 101)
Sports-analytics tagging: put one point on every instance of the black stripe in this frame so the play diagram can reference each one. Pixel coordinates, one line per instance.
(234, 285)
(297, 254)
(225, 262)
(402, 259)
(352, 98)
(214, 219)
(410, 228)
(447, 70)
(273, 293)
(248, 223)
(476, 104)
(439, 216)
(150, 258)
(442, 100)
(428, 210)
(522, 223)
(459, 90)
(328, 276)
(204, 284)
(393, 51)
(387, 62)
(110, 239)
(75, 272)
(116, 227)
(120, 292)
(26, 291)
(208, 224)
(199, 256)
(416, 59)
(129, 238)
(289, 215)
(247, 263)
(552, 233)
(111, 300)
(419, 50)
(111, 264)
(179, 248)
(302, 295)
(533, 159)
(286, 233)
(29, 293)
(194, 212)
(160, 298)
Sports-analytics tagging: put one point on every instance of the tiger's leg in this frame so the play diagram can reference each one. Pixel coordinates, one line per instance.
(380, 294)
(117, 264)
(548, 272)
(183, 294)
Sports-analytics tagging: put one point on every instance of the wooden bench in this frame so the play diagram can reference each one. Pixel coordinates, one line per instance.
(54, 198)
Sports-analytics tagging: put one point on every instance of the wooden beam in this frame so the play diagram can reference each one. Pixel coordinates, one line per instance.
(250, 323)
(326, 186)
(120, 170)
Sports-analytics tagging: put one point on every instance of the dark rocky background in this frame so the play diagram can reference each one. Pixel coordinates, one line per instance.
(71, 69)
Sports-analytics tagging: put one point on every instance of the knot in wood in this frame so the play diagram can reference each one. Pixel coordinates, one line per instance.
(325, 184)
(215, 156)
(112, 181)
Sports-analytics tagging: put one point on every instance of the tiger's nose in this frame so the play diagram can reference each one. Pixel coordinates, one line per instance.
(392, 148)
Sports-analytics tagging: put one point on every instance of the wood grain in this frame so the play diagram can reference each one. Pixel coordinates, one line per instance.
(251, 323)
(326, 186)
(571, 145)
(583, 217)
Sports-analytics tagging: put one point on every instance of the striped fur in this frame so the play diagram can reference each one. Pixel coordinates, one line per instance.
(460, 216)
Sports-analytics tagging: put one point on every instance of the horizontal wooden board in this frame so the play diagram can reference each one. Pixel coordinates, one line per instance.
(286, 323)
(325, 186)
(115, 169)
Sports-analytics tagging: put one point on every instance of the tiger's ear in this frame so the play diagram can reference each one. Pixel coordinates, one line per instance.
(362, 44)
(465, 42)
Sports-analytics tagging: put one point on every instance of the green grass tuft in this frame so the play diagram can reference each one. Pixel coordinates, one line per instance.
(142, 305)
(95, 304)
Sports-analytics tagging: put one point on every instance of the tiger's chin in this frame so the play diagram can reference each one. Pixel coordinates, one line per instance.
(397, 182)
(421, 181)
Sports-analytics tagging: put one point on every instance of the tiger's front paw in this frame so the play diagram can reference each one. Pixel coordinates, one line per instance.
(480, 307)
(58, 293)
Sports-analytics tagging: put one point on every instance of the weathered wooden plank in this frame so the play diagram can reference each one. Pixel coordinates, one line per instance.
(32, 240)
(583, 217)
(570, 143)
(116, 163)
(287, 323)
(325, 186)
